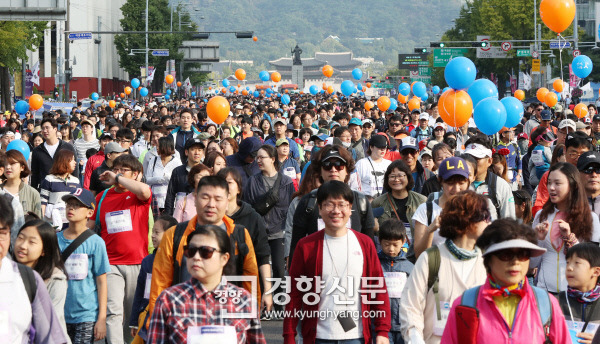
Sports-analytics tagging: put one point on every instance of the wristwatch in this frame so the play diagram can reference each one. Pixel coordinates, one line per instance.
(117, 177)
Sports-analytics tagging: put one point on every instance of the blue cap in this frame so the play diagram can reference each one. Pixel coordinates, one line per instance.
(356, 121)
(333, 124)
(84, 196)
(546, 115)
(322, 137)
(453, 166)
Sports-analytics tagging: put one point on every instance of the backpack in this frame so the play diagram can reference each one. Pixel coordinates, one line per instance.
(237, 238)
(434, 259)
(491, 180)
(28, 280)
(469, 299)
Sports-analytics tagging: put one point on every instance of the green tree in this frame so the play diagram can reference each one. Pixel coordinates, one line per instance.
(16, 37)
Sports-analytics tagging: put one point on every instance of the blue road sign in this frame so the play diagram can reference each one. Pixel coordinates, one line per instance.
(559, 44)
(80, 35)
(160, 53)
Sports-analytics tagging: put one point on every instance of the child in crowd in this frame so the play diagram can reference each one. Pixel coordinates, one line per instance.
(142, 291)
(499, 165)
(579, 301)
(396, 269)
(86, 267)
(541, 156)
(523, 206)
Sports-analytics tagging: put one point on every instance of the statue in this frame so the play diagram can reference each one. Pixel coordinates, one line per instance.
(296, 61)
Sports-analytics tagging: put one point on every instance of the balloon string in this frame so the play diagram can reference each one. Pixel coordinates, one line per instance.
(560, 50)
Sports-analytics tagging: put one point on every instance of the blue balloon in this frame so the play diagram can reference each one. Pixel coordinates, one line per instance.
(482, 89)
(445, 89)
(347, 87)
(393, 104)
(322, 91)
(313, 102)
(425, 97)
(460, 73)
(582, 66)
(22, 107)
(490, 116)
(557, 95)
(357, 73)
(285, 99)
(95, 96)
(135, 83)
(419, 89)
(435, 89)
(362, 94)
(169, 92)
(264, 75)
(231, 89)
(404, 89)
(269, 91)
(167, 97)
(225, 83)
(256, 94)
(193, 94)
(144, 92)
(514, 111)
(21, 146)
(313, 90)
(247, 88)
(205, 100)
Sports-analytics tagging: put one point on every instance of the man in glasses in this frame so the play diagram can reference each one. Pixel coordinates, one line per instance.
(122, 215)
(394, 125)
(588, 165)
(409, 151)
(534, 120)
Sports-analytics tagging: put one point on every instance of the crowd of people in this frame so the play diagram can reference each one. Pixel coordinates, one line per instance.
(149, 222)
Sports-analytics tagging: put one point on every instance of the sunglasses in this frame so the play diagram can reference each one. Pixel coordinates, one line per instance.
(508, 255)
(328, 165)
(206, 252)
(591, 170)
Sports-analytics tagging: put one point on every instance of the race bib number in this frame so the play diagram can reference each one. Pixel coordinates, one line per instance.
(147, 286)
(395, 282)
(321, 224)
(440, 324)
(408, 231)
(77, 266)
(290, 172)
(211, 335)
(510, 174)
(537, 158)
(118, 221)
(62, 209)
(576, 327)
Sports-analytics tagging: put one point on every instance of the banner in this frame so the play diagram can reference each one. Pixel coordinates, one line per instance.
(513, 84)
(573, 79)
(35, 76)
(28, 83)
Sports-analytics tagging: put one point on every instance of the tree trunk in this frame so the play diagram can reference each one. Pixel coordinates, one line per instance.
(5, 89)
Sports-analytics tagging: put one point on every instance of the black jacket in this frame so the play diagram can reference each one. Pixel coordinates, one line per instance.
(178, 183)
(96, 185)
(249, 218)
(41, 162)
(422, 175)
(431, 185)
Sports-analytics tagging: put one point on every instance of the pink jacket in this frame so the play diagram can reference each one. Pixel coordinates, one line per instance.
(527, 327)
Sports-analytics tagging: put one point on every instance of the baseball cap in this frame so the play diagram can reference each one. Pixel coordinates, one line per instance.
(548, 136)
(580, 125)
(424, 115)
(546, 115)
(523, 136)
(203, 136)
(453, 166)
(332, 154)
(425, 151)
(137, 108)
(87, 121)
(84, 196)
(105, 136)
(567, 123)
(416, 111)
(478, 151)
(378, 141)
(333, 124)
(239, 107)
(440, 125)
(568, 112)
(367, 121)
(588, 158)
(113, 147)
(558, 108)
(280, 120)
(596, 118)
(535, 251)
(281, 142)
(587, 120)
(193, 142)
(322, 137)
(355, 121)
(408, 143)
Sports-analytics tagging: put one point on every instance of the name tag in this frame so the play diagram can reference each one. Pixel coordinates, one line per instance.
(290, 172)
(408, 231)
(211, 335)
(321, 224)
(147, 286)
(395, 282)
(118, 221)
(537, 158)
(440, 324)
(62, 209)
(575, 327)
(77, 266)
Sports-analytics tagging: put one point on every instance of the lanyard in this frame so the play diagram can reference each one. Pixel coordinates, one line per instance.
(582, 314)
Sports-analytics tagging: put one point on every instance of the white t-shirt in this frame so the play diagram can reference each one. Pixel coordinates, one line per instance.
(51, 149)
(346, 264)
(14, 326)
(421, 217)
(370, 174)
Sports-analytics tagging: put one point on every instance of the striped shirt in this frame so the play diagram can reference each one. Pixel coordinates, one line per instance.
(81, 146)
(54, 187)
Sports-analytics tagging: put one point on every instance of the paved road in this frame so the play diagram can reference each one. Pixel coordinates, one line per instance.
(273, 331)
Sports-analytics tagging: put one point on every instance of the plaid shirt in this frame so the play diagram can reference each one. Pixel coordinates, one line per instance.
(188, 305)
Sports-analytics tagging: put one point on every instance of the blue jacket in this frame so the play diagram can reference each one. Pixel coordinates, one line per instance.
(237, 160)
(395, 264)
(139, 301)
(179, 140)
(294, 152)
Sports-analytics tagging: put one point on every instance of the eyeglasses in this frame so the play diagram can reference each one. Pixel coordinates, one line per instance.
(123, 141)
(539, 109)
(396, 176)
(438, 129)
(395, 124)
(121, 170)
(508, 255)
(206, 252)
(406, 120)
(330, 206)
(591, 170)
(262, 157)
(328, 165)
(74, 205)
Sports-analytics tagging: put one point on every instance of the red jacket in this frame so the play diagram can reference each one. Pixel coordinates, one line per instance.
(308, 261)
(542, 195)
(93, 163)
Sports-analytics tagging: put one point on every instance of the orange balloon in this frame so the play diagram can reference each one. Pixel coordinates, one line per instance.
(455, 107)
(558, 85)
(557, 14)
(369, 105)
(178, 83)
(411, 85)
(169, 79)
(402, 99)
(324, 86)
(327, 71)
(209, 88)
(223, 90)
(240, 74)
(364, 89)
(383, 103)
(330, 89)
(139, 88)
(36, 101)
(245, 92)
(519, 94)
(275, 77)
(551, 99)
(301, 92)
(255, 38)
(286, 91)
(122, 95)
(112, 104)
(128, 90)
(218, 109)
(580, 110)
(368, 85)
(541, 94)
(414, 103)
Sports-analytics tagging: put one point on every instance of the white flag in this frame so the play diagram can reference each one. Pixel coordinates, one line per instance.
(187, 84)
(151, 75)
(35, 73)
(527, 81)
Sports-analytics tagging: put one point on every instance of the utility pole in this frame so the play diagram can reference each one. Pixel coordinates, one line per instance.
(70, 64)
(575, 27)
(59, 60)
(99, 60)
(23, 76)
(146, 72)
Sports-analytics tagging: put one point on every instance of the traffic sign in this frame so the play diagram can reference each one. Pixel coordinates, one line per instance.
(523, 53)
(160, 52)
(535, 54)
(486, 40)
(80, 35)
(535, 65)
(576, 52)
(506, 46)
(559, 44)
